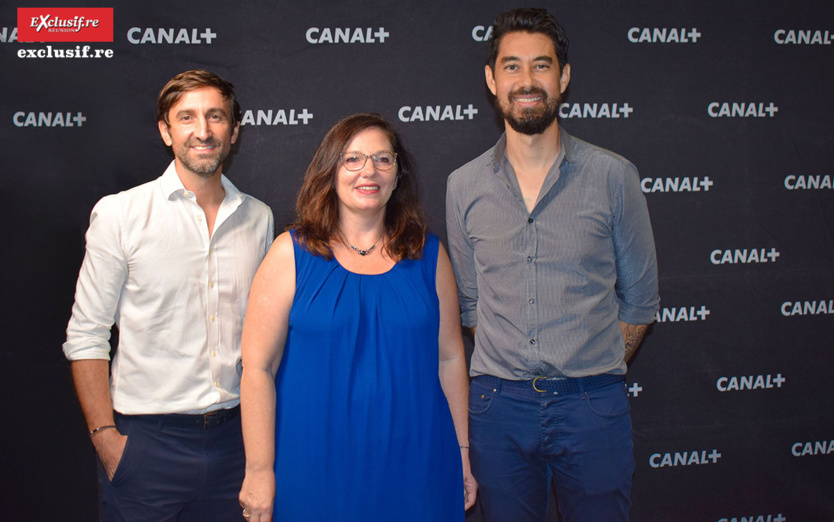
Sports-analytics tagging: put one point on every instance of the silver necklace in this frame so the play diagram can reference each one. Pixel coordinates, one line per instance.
(363, 252)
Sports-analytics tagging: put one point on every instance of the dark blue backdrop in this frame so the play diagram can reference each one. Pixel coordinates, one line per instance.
(724, 106)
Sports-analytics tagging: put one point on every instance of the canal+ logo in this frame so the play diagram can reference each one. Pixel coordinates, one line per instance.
(750, 382)
(272, 117)
(595, 110)
(742, 256)
(676, 184)
(663, 35)
(681, 314)
(48, 119)
(409, 114)
(802, 37)
(684, 458)
(755, 518)
(171, 36)
(741, 110)
(812, 448)
(346, 35)
(821, 307)
(808, 182)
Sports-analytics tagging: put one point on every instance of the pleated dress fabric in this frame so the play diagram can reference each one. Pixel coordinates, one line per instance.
(363, 430)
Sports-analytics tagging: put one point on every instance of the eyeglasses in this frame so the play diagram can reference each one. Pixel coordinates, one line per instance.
(354, 160)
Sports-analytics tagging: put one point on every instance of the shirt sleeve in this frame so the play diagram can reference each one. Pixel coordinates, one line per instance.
(100, 281)
(462, 255)
(634, 249)
(270, 232)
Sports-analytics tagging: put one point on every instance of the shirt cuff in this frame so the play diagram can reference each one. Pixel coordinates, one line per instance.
(633, 314)
(86, 352)
(469, 319)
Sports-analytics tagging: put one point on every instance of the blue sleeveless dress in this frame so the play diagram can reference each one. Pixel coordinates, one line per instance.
(363, 430)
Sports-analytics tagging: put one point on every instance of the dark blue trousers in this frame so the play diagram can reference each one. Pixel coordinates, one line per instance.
(523, 441)
(174, 473)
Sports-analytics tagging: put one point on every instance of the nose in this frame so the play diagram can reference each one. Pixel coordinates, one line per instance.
(202, 129)
(525, 77)
(368, 169)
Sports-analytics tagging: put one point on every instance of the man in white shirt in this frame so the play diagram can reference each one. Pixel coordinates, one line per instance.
(170, 263)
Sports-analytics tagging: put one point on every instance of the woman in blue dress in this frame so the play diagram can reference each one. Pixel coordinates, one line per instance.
(354, 387)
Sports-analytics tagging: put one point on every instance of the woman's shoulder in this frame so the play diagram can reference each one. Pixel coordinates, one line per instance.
(282, 248)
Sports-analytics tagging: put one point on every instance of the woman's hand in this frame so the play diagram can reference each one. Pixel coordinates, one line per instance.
(470, 485)
(257, 496)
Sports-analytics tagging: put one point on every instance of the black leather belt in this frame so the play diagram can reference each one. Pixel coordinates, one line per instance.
(205, 421)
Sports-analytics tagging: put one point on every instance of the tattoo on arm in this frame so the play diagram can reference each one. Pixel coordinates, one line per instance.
(632, 335)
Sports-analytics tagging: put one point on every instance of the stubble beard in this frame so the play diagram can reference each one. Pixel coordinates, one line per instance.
(204, 167)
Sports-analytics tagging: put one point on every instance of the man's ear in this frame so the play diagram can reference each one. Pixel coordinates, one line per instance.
(490, 79)
(163, 131)
(564, 81)
(235, 132)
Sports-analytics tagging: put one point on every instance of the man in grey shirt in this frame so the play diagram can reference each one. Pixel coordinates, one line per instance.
(553, 252)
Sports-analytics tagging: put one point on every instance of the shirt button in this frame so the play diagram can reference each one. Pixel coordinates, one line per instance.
(529, 259)
(532, 342)
(211, 317)
(214, 353)
(529, 220)
(532, 301)
(211, 284)
(216, 384)
(199, 218)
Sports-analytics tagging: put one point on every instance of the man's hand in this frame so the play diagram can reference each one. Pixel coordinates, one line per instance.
(110, 445)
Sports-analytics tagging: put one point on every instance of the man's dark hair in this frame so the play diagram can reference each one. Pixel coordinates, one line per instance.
(529, 21)
(192, 80)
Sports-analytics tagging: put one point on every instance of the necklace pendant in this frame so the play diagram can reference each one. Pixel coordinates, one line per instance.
(362, 252)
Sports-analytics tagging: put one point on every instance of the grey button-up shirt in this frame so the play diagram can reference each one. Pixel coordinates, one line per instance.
(546, 288)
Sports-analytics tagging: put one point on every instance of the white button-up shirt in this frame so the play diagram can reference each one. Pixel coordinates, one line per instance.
(177, 295)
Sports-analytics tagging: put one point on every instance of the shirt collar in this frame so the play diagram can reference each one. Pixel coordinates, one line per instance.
(172, 184)
(567, 143)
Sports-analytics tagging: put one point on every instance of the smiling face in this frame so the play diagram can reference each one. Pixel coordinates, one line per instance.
(368, 189)
(527, 82)
(200, 131)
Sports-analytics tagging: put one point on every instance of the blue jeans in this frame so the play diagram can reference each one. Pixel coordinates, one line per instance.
(174, 473)
(522, 441)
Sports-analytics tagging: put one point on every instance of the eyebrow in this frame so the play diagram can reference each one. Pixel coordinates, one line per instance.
(212, 110)
(543, 58)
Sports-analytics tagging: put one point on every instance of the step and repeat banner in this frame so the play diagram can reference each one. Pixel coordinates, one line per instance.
(725, 107)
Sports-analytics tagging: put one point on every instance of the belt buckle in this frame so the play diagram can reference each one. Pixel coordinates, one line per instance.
(209, 418)
(536, 387)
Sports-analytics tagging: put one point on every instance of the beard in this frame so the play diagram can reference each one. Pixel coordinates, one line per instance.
(530, 121)
(204, 167)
